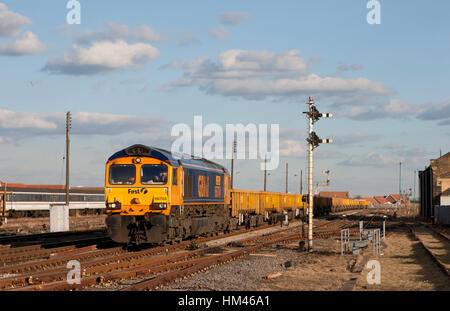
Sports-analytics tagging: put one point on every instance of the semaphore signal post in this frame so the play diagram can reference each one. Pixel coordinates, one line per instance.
(313, 142)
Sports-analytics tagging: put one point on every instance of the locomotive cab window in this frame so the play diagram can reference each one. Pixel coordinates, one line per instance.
(122, 174)
(154, 174)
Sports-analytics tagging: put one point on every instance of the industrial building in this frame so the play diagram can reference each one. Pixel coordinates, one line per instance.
(433, 185)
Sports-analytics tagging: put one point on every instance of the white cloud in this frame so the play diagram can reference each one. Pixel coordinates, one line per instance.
(102, 57)
(399, 107)
(354, 138)
(29, 124)
(436, 111)
(11, 23)
(94, 123)
(371, 159)
(292, 148)
(290, 134)
(145, 33)
(352, 67)
(186, 37)
(310, 84)
(27, 43)
(24, 120)
(259, 74)
(395, 108)
(357, 112)
(406, 151)
(234, 17)
(219, 33)
(114, 31)
(392, 155)
(238, 64)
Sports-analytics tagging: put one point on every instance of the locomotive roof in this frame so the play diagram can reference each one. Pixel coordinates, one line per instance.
(167, 156)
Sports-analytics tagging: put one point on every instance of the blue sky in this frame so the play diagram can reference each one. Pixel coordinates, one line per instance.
(387, 84)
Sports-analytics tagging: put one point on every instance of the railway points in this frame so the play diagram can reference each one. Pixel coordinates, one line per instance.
(177, 224)
(115, 263)
(208, 263)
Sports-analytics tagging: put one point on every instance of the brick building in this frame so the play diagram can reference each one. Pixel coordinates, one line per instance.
(434, 180)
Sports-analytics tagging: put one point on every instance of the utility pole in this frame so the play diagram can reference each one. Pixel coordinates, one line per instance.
(301, 181)
(68, 127)
(265, 174)
(414, 195)
(400, 179)
(3, 201)
(232, 163)
(313, 142)
(287, 178)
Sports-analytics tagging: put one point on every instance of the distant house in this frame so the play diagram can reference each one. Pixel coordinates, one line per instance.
(395, 198)
(334, 194)
(381, 199)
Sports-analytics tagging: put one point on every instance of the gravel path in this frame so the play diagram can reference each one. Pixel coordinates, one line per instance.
(323, 269)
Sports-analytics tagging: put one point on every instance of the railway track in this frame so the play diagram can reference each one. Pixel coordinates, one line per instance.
(46, 269)
(196, 265)
(72, 244)
(435, 244)
(49, 239)
(20, 263)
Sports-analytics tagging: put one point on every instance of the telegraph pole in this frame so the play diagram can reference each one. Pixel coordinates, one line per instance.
(68, 127)
(301, 181)
(313, 142)
(286, 177)
(232, 163)
(3, 202)
(400, 179)
(265, 174)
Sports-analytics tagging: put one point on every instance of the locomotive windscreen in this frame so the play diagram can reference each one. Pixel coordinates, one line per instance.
(122, 174)
(154, 174)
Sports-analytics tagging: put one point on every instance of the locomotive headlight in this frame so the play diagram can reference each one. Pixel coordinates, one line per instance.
(159, 205)
(115, 205)
(137, 160)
